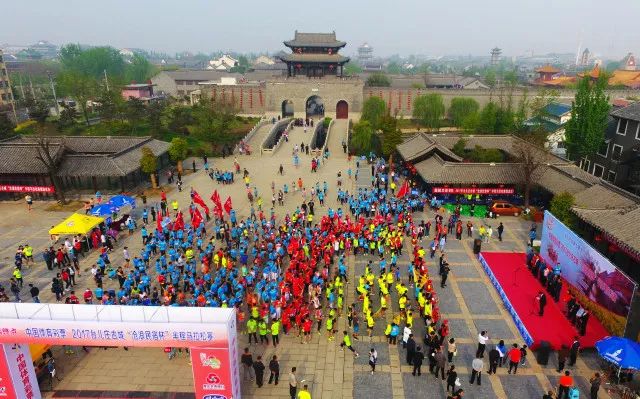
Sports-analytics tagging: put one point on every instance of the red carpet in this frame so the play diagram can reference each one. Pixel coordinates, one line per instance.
(521, 289)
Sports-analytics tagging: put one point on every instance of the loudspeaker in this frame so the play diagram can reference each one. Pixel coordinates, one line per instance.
(477, 246)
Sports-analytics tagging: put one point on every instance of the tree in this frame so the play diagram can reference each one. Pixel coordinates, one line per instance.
(135, 110)
(68, 117)
(111, 104)
(6, 126)
(178, 150)
(487, 119)
(352, 68)
(429, 109)
(459, 147)
(241, 66)
(363, 138)
(373, 109)
(560, 207)
(461, 108)
(80, 86)
(149, 164)
(521, 114)
(93, 62)
(394, 68)
(531, 155)
(378, 79)
(38, 111)
(213, 123)
(139, 69)
(584, 132)
(47, 155)
(490, 78)
(178, 118)
(154, 116)
(391, 135)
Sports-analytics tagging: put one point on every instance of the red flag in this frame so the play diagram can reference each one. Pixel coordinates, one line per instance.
(404, 190)
(159, 223)
(215, 197)
(198, 200)
(196, 218)
(179, 223)
(228, 206)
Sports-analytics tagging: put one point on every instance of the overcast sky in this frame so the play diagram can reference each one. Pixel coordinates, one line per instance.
(430, 27)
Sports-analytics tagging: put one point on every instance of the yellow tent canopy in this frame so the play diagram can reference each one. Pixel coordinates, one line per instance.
(76, 224)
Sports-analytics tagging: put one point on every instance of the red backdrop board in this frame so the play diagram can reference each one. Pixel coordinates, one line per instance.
(6, 385)
(473, 190)
(17, 376)
(11, 188)
(212, 373)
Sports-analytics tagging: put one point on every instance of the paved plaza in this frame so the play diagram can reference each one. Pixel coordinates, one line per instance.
(469, 302)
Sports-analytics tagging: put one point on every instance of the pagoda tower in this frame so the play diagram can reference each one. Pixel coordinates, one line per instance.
(314, 55)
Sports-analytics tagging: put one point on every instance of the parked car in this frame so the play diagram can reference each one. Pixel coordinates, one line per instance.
(504, 208)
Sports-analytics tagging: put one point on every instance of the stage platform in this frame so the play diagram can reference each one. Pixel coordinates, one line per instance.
(518, 288)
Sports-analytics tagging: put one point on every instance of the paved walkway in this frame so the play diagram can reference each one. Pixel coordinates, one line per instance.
(469, 302)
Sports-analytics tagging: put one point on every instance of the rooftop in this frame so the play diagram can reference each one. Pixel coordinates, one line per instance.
(605, 206)
(547, 69)
(315, 40)
(631, 112)
(557, 109)
(78, 155)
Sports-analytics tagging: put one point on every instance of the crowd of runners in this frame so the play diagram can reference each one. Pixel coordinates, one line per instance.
(290, 274)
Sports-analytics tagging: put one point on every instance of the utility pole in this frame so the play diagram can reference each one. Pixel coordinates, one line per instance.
(53, 89)
(33, 93)
(106, 81)
(21, 87)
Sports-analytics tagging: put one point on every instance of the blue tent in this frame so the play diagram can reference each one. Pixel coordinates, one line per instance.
(104, 210)
(622, 352)
(122, 200)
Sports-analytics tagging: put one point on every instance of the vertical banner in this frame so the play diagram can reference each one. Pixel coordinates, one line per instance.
(212, 373)
(17, 376)
(234, 367)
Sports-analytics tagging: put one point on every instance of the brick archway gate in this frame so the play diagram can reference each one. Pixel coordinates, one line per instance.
(342, 110)
(210, 333)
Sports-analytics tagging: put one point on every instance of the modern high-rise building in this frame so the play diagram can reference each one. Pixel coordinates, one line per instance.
(6, 95)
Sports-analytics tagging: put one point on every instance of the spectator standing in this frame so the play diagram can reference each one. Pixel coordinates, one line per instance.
(477, 365)
(258, 368)
(566, 382)
(514, 358)
(274, 368)
(293, 383)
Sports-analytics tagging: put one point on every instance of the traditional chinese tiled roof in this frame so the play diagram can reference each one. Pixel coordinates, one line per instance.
(547, 69)
(315, 40)
(78, 155)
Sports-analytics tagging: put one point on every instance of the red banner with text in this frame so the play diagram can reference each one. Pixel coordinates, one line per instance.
(473, 190)
(13, 188)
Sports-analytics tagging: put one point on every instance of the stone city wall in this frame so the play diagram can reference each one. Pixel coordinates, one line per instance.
(298, 90)
(400, 101)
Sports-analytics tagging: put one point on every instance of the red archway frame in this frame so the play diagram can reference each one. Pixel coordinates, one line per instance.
(210, 333)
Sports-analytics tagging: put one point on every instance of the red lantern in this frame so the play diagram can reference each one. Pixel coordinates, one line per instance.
(331, 66)
(598, 238)
(298, 66)
(330, 51)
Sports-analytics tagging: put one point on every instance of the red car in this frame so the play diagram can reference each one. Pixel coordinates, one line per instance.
(504, 208)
